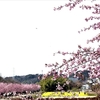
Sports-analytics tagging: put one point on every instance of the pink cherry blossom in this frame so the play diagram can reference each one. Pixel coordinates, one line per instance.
(85, 57)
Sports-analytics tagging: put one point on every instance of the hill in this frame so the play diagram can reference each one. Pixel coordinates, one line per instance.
(33, 78)
(26, 79)
(85, 73)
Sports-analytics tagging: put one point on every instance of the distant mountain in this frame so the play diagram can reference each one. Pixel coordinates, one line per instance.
(33, 78)
(26, 79)
(85, 73)
(7, 80)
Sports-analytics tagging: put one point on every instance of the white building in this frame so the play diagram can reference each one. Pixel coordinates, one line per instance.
(85, 87)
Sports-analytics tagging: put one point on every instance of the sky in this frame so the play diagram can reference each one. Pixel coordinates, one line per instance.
(31, 31)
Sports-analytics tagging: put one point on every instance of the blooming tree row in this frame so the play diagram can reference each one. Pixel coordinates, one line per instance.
(14, 87)
(86, 58)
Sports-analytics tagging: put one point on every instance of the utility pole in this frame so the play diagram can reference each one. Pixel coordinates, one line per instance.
(0, 75)
(42, 72)
(13, 73)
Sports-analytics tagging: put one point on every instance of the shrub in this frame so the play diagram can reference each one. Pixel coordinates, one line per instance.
(50, 85)
(96, 88)
(91, 93)
(75, 89)
(46, 84)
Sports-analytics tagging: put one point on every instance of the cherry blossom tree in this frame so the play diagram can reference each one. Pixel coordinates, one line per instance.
(86, 58)
(14, 87)
(2, 85)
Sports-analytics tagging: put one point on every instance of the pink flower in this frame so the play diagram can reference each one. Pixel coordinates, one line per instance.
(98, 50)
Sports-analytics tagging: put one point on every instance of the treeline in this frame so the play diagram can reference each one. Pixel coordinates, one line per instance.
(25, 79)
(7, 80)
(32, 78)
(15, 87)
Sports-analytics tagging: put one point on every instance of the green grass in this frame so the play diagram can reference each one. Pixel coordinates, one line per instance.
(66, 94)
